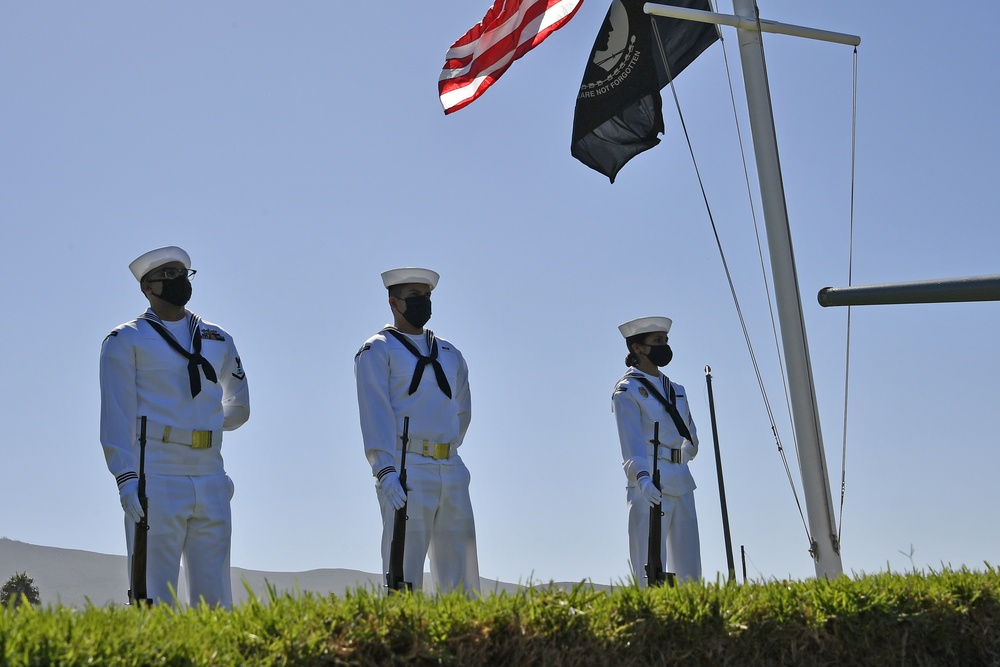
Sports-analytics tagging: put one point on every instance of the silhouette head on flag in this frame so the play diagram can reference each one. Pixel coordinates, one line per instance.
(618, 109)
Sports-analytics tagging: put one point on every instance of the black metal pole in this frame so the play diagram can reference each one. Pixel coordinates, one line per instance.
(946, 290)
(743, 557)
(718, 470)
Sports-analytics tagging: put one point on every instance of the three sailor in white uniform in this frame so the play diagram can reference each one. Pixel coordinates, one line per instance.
(185, 376)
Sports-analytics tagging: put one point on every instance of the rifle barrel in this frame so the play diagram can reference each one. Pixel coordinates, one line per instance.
(655, 575)
(395, 578)
(138, 592)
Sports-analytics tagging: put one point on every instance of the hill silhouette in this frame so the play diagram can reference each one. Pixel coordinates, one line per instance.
(73, 578)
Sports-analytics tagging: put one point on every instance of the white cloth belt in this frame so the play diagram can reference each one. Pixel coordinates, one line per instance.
(179, 436)
(668, 455)
(433, 450)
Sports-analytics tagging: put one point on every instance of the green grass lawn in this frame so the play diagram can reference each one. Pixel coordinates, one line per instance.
(937, 618)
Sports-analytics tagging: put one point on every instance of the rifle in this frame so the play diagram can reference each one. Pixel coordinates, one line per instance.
(655, 576)
(394, 577)
(137, 594)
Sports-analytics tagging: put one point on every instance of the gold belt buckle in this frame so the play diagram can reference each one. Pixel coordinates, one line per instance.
(675, 456)
(441, 450)
(201, 439)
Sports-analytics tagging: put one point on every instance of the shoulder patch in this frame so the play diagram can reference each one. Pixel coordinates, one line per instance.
(366, 346)
(240, 374)
(113, 333)
(211, 334)
(621, 388)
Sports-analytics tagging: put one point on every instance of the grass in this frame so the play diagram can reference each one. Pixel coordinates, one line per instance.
(951, 617)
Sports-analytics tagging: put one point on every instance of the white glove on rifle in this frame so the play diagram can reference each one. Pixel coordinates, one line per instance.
(648, 490)
(392, 490)
(129, 495)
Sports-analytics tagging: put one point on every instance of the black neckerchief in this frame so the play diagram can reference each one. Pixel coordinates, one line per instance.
(422, 361)
(670, 405)
(194, 360)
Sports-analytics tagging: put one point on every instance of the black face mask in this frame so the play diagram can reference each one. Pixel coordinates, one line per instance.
(660, 355)
(176, 291)
(418, 310)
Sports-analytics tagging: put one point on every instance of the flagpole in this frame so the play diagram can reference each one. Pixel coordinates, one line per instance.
(750, 23)
(805, 414)
(825, 547)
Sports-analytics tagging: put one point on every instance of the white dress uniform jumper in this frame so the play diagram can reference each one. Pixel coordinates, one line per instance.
(638, 402)
(186, 378)
(426, 379)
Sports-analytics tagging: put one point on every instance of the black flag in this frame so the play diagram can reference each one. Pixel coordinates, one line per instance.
(618, 110)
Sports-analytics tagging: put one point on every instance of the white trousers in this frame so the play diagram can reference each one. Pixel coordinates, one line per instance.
(681, 550)
(439, 524)
(189, 518)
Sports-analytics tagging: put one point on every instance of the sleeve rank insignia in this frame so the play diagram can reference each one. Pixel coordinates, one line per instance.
(240, 374)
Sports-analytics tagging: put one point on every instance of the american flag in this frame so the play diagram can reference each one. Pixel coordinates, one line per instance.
(510, 29)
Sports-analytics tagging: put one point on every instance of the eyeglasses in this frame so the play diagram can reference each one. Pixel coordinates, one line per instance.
(171, 274)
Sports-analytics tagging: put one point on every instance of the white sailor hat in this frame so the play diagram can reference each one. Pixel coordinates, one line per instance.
(645, 325)
(146, 262)
(410, 274)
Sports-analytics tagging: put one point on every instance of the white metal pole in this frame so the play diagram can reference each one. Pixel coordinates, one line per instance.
(750, 23)
(805, 415)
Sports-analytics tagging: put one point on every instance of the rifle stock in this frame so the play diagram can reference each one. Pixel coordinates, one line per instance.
(655, 575)
(394, 579)
(138, 593)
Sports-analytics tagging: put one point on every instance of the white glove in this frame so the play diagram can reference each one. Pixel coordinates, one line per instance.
(129, 495)
(649, 491)
(392, 490)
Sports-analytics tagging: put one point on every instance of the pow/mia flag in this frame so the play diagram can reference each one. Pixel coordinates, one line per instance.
(618, 110)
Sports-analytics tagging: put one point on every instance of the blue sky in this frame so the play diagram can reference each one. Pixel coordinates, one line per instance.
(296, 150)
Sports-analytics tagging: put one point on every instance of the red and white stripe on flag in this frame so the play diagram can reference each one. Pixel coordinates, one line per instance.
(510, 29)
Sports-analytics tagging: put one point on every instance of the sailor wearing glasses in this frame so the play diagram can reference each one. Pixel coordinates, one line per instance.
(643, 397)
(405, 371)
(185, 376)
